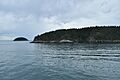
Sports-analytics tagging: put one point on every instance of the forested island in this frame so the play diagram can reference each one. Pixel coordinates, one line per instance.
(20, 39)
(98, 34)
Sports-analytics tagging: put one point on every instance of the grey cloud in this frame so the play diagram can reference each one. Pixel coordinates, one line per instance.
(30, 17)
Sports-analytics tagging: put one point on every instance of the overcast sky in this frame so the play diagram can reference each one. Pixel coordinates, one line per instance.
(31, 17)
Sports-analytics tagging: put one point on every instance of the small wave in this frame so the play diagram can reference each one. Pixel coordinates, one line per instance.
(101, 55)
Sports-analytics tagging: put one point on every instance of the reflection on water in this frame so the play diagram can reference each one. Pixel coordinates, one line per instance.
(59, 61)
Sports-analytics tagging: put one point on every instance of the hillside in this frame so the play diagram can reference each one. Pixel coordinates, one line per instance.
(98, 34)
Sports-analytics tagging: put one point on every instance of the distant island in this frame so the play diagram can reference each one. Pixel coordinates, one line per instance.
(20, 39)
(98, 34)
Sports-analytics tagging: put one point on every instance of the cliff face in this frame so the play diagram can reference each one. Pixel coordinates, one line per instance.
(89, 35)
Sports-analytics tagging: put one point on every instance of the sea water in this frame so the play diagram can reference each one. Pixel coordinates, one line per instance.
(59, 61)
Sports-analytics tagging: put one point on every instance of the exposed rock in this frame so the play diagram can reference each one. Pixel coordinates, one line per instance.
(66, 41)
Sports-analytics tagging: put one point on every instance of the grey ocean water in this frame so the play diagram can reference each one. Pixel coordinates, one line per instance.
(58, 61)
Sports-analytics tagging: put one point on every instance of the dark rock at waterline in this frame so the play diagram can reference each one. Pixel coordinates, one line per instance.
(20, 39)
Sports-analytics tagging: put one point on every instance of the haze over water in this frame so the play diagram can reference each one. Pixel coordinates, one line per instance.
(59, 61)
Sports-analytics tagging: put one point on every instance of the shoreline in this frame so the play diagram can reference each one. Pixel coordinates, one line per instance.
(78, 42)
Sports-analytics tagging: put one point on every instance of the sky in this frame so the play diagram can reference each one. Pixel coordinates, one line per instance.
(29, 18)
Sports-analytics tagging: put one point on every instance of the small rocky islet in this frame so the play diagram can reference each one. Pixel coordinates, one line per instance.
(20, 39)
(98, 34)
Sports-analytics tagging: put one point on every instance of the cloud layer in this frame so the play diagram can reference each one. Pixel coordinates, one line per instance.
(31, 17)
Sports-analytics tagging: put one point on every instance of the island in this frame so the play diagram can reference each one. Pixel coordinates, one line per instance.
(97, 34)
(20, 39)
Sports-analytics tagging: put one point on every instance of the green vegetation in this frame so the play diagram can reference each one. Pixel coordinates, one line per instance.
(98, 34)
